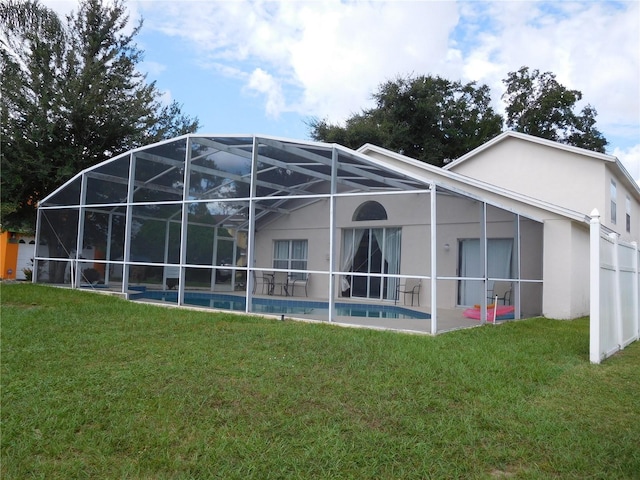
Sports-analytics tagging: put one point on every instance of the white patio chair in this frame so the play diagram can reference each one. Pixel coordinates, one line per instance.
(411, 286)
(299, 282)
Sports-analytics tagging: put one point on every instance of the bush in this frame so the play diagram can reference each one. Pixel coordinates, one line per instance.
(28, 274)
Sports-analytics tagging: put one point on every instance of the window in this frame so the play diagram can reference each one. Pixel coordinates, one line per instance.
(614, 213)
(370, 211)
(628, 208)
(291, 255)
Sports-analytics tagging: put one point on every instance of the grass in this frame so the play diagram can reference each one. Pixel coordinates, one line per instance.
(96, 387)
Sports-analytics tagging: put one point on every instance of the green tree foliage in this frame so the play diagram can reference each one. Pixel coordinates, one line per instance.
(71, 98)
(538, 105)
(425, 117)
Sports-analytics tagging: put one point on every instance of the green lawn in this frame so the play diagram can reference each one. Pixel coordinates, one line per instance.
(97, 387)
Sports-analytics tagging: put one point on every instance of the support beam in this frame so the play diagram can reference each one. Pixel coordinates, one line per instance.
(185, 223)
(434, 261)
(128, 231)
(595, 345)
(332, 236)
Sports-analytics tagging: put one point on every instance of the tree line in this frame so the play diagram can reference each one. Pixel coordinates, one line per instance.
(436, 120)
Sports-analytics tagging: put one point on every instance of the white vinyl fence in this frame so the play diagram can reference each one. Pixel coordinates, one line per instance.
(615, 288)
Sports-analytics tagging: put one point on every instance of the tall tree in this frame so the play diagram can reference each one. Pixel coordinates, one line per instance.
(71, 97)
(538, 105)
(425, 117)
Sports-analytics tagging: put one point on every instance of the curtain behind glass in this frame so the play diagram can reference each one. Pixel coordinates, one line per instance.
(350, 240)
(281, 254)
(391, 255)
(299, 255)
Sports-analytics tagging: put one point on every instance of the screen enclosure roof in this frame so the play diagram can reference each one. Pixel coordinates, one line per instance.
(221, 168)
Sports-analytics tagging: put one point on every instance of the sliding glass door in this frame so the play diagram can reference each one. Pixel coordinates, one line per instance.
(499, 261)
(369, 252)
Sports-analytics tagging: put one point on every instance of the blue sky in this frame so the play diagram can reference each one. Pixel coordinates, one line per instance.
(268, 67)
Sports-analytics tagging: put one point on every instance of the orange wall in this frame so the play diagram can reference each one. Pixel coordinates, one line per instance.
(8, 256)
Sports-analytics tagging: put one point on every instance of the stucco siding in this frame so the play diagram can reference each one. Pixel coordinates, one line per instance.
(459, 219)
(555, 176)
(557, 270)
(566, 270)
(632, 206)
(580, 270)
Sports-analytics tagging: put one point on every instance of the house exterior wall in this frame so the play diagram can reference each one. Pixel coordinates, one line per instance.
(16, 252)
(623, 192)
(571, 180)
(580, 290)
(553, 175)
(308, 223)
(566, 270)
(8, 255)
(458, 219)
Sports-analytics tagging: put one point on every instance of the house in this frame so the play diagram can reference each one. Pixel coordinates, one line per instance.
(565, 184)
(234, 221)
(571, 177)
(16, 255)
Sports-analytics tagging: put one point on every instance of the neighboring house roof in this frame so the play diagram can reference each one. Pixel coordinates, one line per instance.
(610, 160)
(446, 176)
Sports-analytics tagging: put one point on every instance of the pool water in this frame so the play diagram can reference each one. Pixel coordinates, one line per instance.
(275, 306)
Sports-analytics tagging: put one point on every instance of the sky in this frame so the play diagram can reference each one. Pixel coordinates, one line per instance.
(258, 67)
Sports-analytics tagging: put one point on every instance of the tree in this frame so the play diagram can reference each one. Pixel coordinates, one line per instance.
(538, 105)
(71, 98)
(428, 118)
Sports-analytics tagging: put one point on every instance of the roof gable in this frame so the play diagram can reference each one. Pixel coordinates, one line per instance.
(456, 181)
(610, 161)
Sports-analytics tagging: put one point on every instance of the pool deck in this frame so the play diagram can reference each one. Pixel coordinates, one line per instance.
(447, 319)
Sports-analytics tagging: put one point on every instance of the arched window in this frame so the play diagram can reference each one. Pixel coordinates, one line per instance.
(369, 211)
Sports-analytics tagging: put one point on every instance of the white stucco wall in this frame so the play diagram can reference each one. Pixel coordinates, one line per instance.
(566, 270)
(623, 192)
(553, 175)
(580, 270)
(458, 219)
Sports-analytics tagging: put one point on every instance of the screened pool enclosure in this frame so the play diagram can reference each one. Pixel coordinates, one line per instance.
(302, 229)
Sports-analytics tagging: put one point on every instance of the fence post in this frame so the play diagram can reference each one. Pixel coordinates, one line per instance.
(594, 292)
(636, 291)
(617, 294)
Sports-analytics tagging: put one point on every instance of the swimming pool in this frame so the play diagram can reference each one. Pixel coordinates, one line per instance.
(277, 306)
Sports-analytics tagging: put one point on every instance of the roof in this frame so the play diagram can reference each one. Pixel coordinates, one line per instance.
(224, 172)
(612, 161)
(450, 179)
(288, 175)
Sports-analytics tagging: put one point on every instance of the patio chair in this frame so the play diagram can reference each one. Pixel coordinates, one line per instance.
(264, 279)
(299, 282)
(502, 290)
(411, 286)
(281, 282)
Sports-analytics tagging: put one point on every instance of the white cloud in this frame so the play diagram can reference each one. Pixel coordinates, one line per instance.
(330, 54)
(630, 158)
(61, 7)
(591, 46)
(326, 57)
(262, 82)
(65, 7)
